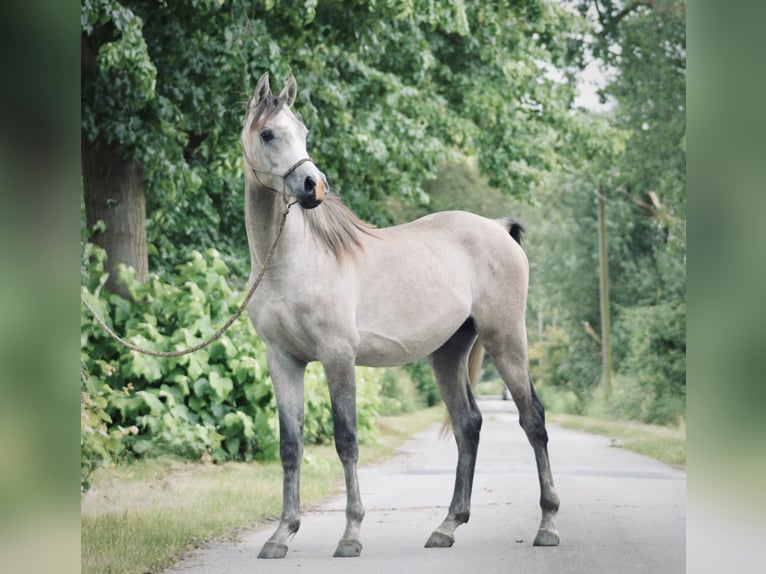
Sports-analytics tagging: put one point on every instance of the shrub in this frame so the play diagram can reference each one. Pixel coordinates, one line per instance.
(216, 403)
(656, 359)
(561, 369)
(399, 393)
(100, 441)
(425, 381)
(559, 399)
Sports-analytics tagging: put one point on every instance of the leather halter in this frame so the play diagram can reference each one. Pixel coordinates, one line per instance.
(283, 177)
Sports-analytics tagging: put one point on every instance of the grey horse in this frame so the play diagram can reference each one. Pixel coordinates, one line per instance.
(345, 293)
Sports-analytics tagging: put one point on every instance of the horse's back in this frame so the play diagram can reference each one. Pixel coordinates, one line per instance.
(486, 245)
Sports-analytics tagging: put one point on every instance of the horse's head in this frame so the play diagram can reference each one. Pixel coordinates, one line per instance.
(274, 143)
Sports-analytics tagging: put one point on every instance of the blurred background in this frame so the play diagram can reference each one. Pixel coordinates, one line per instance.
(570, 116)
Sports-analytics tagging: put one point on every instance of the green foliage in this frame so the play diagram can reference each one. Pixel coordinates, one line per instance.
(216, 403)
(425, 381)
(656, 358)
(388, 90)
(635, 157)
(318, 425)
(559, 400)
(368, 386)
(399, 393)
(98, 442)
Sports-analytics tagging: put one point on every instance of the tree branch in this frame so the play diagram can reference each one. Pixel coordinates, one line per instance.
(591, 332)
(628, 9)
(600, 15)
(609, 23)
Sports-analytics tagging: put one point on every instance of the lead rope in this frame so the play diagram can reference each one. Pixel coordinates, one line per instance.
(220, 331)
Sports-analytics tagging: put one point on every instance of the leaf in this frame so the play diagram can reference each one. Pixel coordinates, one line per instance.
(222, 386)
(200, 387)
(256, 391)
(141, 446)
(183, 383)
(150, 400)
(222, 349)
(232, 444)
(144, 366)
(197, 364)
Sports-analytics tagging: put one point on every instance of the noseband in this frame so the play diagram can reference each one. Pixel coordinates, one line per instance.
(283, 177)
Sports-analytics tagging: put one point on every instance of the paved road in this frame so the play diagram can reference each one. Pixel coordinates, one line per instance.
(620, 512)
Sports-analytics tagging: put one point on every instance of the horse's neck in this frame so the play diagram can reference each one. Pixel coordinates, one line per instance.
(263, 213)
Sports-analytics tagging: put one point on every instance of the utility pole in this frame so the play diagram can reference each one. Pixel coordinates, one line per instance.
(606, 339)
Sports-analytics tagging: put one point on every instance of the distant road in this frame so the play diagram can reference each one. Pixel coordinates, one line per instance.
(621, 513)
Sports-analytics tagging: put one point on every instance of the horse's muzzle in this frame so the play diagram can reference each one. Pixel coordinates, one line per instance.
(313, 192)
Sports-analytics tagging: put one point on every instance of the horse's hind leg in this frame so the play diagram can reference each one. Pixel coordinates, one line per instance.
(450, 364)
(287, 376)
(510, 358)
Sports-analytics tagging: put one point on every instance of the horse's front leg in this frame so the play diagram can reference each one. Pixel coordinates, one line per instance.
(342, 382)
(287, 377)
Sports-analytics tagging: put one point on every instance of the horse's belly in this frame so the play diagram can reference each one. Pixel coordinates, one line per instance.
(399, 338)
(378, 350)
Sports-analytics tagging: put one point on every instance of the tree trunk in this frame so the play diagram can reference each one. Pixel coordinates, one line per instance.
(114, 194)
(606, 337)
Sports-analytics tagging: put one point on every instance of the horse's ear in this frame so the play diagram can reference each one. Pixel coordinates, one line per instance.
(262, 89)
(289, 91)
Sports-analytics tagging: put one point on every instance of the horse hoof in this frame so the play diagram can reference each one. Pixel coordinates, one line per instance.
(440, 540)
(273, 550)
(348, 549)
(547, 538)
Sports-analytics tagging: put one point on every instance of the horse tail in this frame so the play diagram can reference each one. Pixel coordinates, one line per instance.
(475, 360)
(514, 228)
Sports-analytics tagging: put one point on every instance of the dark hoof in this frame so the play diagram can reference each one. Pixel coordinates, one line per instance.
(273, 550)
(440, 540)
(547, 538)
(348, 549)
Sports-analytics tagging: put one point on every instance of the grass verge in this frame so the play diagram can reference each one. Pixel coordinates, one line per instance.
(140, 517)
(663, 443)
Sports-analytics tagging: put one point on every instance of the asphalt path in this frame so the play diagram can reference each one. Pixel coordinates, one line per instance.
(621, 513)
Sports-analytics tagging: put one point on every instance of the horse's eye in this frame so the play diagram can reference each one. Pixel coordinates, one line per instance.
(267, 135)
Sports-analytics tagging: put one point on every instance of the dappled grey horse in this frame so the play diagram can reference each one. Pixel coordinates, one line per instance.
(344, 293)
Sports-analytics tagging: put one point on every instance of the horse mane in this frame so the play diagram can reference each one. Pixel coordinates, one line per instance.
(337, 228)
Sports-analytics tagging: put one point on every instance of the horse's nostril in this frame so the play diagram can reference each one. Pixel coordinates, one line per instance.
(309, 184)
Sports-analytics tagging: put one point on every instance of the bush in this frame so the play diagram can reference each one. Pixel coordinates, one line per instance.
(318, 424)
(656, 360)
(216, 403)
(559, 400)
(563, 362)
(98, 442)
(425, 381)
(399, 393)
(650, 355)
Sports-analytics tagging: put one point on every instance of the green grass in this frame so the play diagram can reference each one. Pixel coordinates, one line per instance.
(140, 517)
(663, 443)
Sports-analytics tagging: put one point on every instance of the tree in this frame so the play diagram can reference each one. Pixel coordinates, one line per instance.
(388, 91)
(651, 93)
(136, 136)
(113, 187)
(642, 172)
